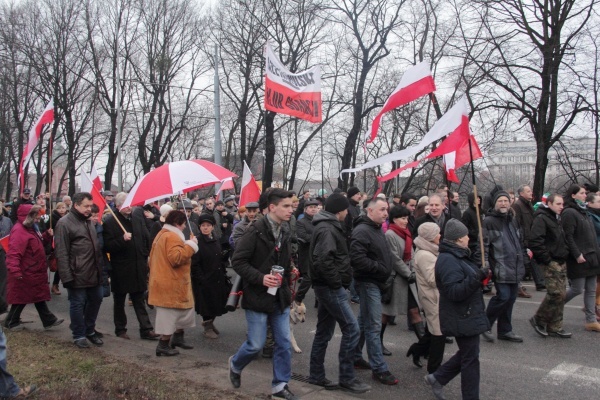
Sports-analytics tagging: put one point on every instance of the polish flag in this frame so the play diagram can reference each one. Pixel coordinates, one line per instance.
(4, 243)
(227, 184)
(34, 137)
(397, 172)
(250, 191)
(455, 140)
(450, 164)
(463, 155)
(97, 197)
(95, 178)
(416, 82)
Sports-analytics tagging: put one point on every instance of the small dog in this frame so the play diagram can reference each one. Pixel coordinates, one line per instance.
(297, 314)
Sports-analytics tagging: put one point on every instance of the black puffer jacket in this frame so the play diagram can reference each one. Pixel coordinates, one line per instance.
(581, 239)
(329, 259)
(255, 253)
(504, 247)
(429, 218)
(304, 231)
(547, 241)
(462, 310)
(369, 253)
(353, 214)
(78, 252)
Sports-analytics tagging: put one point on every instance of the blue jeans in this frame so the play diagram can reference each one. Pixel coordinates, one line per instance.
(353, 293)
(465, 362)
(501, 305)
(334, 307)
(369, 320)
(8, 386)
(84, 305)
(257, 334)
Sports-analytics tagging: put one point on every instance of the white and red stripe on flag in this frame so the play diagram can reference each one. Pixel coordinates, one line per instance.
(95, 178)
(416, 82)
(227, 184)
(294, 94)
(249, 191)
(34, 137)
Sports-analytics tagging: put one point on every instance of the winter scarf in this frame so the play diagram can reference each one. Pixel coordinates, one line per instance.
(404, 234)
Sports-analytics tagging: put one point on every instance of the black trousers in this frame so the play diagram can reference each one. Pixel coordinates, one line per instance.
(14, 314)
(120, 317)
(466, 363)
(433, 347)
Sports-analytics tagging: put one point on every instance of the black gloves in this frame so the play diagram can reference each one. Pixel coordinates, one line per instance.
(412, 278)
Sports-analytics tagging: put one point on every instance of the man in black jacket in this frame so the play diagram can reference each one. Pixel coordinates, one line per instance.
(331, 271)
(129, 253)
(372, 265)
(436, 214)
(304, 230)
(25, 199)
(79, 260)
(549, 247)
(266, 243)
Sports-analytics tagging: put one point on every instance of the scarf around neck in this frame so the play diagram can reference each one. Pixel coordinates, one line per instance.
(405, 234)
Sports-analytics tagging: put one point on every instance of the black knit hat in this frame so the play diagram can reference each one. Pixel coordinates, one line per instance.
(206, 218)
(336, 203)
(500, 193)
(352, 190)
(454, 230)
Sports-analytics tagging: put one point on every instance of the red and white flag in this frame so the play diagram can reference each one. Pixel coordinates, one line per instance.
(250, 191)
(88, 186)
(34, 137)
(416, 82)
(4, 243)
(456, 159)
(297, 95)
(95, 178)
(450, 165)
(227, 184)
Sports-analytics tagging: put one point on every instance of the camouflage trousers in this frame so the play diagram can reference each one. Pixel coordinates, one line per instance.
(550, 312)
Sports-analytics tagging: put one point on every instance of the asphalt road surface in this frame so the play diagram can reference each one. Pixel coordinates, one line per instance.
(539, 368)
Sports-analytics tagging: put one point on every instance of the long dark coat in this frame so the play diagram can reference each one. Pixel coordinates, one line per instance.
(581, 239)
(129, 260)
(209, 278)
(26, 259)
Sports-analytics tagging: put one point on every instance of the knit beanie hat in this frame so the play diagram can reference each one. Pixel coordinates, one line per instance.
(429, 231)
(336, 203)
(352, 191)
(454, 230)
(500, 193)
(165, 209)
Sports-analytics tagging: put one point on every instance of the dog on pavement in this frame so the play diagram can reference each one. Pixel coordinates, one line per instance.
(297, 315)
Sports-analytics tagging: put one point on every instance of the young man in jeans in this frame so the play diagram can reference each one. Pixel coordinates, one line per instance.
(329, 266)
(265, 243)
(79, 260)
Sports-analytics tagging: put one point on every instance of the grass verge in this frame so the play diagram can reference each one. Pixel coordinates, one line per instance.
(64, 372)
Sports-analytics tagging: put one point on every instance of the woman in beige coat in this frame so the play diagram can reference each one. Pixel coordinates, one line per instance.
(433, 342)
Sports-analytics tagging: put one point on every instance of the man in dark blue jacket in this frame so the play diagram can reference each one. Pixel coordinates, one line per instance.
(371, 261)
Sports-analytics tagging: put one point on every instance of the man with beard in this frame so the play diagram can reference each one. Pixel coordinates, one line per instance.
(504, 248)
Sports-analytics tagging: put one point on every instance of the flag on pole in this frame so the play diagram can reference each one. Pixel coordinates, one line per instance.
(97, 197)
(450, 165)
(463, 155)
(297, 95)
(227, 184)
(250, 191)
(4, 243)
(397, 172)
(455, 140)
(95, 178)
(449, 122)
(34, 137)
(416, 82)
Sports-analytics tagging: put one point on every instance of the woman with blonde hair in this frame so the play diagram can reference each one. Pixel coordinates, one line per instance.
(170, 286)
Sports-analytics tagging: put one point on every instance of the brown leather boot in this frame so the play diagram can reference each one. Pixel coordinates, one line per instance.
(209, 330)
(523, 293)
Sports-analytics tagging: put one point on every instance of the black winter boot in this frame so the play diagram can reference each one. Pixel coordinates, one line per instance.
(163, 349)
(178, 341)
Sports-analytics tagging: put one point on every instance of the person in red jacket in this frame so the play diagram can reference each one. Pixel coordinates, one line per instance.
(27, 269)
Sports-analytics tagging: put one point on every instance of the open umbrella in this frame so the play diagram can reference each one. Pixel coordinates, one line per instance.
(175, 178)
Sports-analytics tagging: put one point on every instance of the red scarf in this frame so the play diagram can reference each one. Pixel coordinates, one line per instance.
(407, 236)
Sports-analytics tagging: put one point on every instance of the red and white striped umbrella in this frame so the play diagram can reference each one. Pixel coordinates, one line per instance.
(175, 178)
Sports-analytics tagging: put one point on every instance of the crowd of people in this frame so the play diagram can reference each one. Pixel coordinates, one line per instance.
(422, 258)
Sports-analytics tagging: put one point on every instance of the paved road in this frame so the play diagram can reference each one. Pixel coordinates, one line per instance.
(539, 368)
